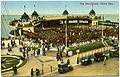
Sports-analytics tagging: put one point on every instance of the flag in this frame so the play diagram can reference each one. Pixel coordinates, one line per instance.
(24, 6)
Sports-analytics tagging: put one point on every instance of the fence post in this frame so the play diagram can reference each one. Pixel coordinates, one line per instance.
(42, 69)
(51, 68)
(77, 60)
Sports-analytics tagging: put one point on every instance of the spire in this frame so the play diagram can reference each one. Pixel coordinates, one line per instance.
(24, 8)
(65, 12)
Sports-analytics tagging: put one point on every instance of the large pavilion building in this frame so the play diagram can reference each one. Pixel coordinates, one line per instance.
(37, 23)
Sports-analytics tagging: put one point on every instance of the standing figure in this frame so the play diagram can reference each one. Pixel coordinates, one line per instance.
(37, 72)
(67, 53)
(44, 54)
(15, 69)
(8, 45)
(11, 42)
(3, 44)
(8, 49)
(61, 54)
(27, 54)
(68, 62)
(105, 58)
(24, 48)
(19, 42)
(14, 43)
(20, 49)
(24, 54)
(57, 56)
(32, 72)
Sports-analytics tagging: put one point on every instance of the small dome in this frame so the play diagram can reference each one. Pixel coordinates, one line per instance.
(92, 13)
(25, 16)
(35, 14)
(65, 12)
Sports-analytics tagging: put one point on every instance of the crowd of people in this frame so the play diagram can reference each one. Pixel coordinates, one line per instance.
(74, 35)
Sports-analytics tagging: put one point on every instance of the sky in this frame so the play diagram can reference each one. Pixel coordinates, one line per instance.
(57, 7)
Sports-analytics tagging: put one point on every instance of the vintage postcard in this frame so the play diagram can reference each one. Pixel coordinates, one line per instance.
(60, 38)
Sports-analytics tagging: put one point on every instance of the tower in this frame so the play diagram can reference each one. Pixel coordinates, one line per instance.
(34, 14)
(25, 17)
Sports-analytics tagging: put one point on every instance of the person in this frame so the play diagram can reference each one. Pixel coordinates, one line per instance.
(68, 61)
(14, 43)
(20, 49)
(3, 44)
(61, 54)
(37, 72)
(32, 72)
(58, 49)
(24, 48)
(67, 53)
(38, 52)
(11, 42)
(19, 42)
(8, 45)
(27, 54)
(15, 69)
(44, 53)
(24, 54)
(9, 49)
(105, 58)
(57, 57)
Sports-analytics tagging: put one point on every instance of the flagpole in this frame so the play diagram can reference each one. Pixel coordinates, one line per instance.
(65, 13)
(34, 7)
(66, 31)
(102, 28)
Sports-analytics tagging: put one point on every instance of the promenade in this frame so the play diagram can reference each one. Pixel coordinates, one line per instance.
(36, 62)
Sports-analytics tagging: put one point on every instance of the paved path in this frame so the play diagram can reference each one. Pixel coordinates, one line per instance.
(95, 69)
(36, 62)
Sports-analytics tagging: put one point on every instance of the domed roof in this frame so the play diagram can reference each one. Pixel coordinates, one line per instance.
(25, 16)
(35, 13)
(65, 12)
(92, 12)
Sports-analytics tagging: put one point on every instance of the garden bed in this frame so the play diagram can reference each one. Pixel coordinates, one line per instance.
(87, 47)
